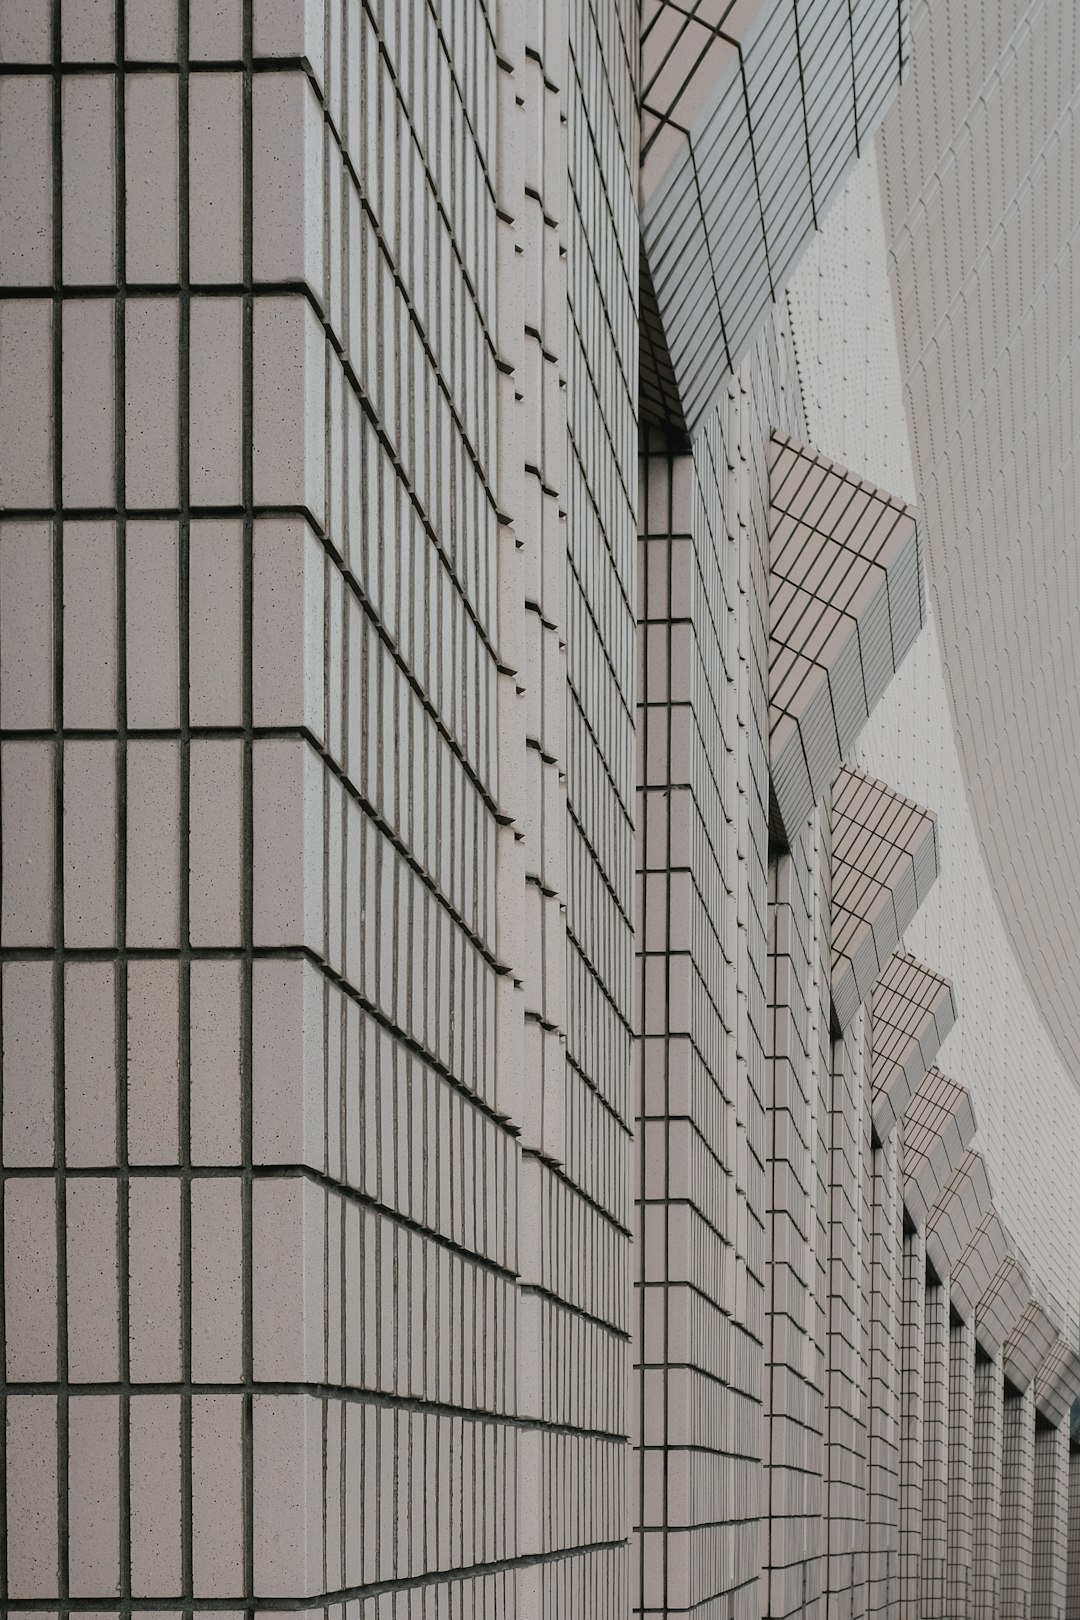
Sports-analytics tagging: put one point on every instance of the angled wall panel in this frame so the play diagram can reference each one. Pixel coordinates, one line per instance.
(960, 1523)
(939, 1123)
(963, 1202)
(845, 604)
(885, 860)
(1057, 1382)
(752, 111)
(984, 1254)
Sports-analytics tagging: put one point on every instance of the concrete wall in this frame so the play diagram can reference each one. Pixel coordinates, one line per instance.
(436, 1178)
(318, 568)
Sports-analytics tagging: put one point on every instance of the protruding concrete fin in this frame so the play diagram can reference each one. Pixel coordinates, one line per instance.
(1057, 1382)
(884, 862)
(987, 1250)
(1001, 1306)
(952, 1222)
(845, 604)
(939, 1120)
(1028, 1345)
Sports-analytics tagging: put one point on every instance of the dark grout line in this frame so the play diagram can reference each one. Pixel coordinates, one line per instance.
(248, 841)
(59, 1077)
(121, 972)
(187, 1488)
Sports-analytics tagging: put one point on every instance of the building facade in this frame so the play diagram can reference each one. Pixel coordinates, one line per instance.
(538, 735)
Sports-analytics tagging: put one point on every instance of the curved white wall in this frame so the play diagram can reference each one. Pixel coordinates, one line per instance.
(1027, 1105)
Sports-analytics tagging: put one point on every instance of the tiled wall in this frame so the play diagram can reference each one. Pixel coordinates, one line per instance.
(568, 179)
(959, 1526)
(1017, 1498)
(1012, 1032)
(318, 353)
(844, 343)
(887, 1277)
(912, 1349)
(796, 1264)
(702, 856)
(1072, 1598)
(378, 760)
(1050, 1530)
(986, 1488)
(751, 114)
(936, 1415)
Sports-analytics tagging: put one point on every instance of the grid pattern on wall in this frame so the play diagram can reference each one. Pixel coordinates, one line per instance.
(566, 461)
(264, 730)
(1050, 1527)
(959, 1537)
(1017, 1498)
(1072, 1574)
(986, 1487)
(793, 1395)
(884, 863)
(880, 1469)
(843, 343)
(319, 874)
(263, 911)
(952, 1221)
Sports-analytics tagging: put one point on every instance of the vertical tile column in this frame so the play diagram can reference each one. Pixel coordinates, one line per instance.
(554, 1292)
(699, 1486)
(702, 856)
(935, 1434)
(1050, 1526)
(850, 1239)
(793, 1396)
(886, 1300)
(600, 272)
(960, 1524)
(123, 1171)
(1072, 1583)
(986, 1486)
(1017, 1499)
(912, 1348)
(573, 518)
(259, 798)
(821, 1208)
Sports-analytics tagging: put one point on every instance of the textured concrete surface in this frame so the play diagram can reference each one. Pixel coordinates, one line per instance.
(474, 1142)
